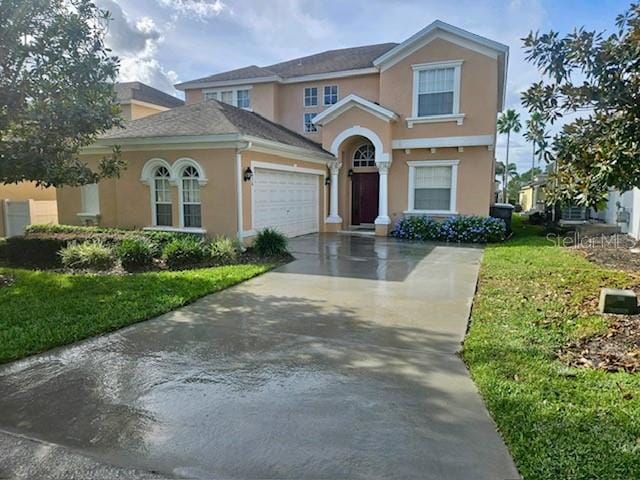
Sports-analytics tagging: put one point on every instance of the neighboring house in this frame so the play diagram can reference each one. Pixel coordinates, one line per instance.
(532, 195)
(623, 209)
(345, 138)
(138, 100)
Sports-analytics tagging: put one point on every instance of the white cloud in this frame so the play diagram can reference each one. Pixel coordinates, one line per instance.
(200, 9)
(136, 44)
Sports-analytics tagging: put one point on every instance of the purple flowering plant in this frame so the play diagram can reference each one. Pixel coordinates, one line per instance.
(456, 228)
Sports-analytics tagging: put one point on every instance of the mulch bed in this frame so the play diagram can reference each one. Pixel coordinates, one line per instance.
(619, 251)
(616, 350)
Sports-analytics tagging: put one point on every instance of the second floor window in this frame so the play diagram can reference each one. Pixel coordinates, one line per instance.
(436, 89)
(330, 94)
(309, 127)
(311, 96)
(244, 100)
(226, 96)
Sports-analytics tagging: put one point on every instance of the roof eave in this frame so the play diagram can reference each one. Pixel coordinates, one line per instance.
(226, 83)
(351, 101)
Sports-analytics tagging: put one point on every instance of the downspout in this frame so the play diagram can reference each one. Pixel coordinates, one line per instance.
(239, 180)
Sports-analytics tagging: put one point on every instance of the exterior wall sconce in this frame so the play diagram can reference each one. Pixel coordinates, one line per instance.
(327, 180)
(350, 173)
(248, 174)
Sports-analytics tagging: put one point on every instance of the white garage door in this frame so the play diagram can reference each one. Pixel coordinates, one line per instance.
(286, 201)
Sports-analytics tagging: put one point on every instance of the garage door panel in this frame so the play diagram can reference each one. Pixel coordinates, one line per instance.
(287, 201)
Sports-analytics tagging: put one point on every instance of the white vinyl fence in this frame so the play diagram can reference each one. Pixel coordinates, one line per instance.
(16, 215)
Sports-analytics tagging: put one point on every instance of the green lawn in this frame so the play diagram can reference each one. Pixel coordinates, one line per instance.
(559, 422)
(42, 310)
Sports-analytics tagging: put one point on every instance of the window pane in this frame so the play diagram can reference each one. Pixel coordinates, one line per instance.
(163, 215)
(310, 96)
(436, 80)
(211, 95)
(227, 97)
(330, 94)
(163, 192)
(432, 177)
(244, 100)
(190, 191)
(309, 127)
(432, 199)
(192, 216)
(435, 104)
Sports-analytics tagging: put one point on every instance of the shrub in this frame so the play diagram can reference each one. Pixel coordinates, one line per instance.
(224, 249)
(54, 228)
(159, 239)
(183, 252)
(93, 255)
(459, 228)
(417, 228)
(34, 252)
(3, 249)
(135, 253)
(270, 243)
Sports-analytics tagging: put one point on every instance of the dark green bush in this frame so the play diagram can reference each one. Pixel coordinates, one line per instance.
(158, 239)
(52, 228)
(184, 252)
(270, 243)
(3, 249)
(135, 253)
(34, 252)
(224, 249)
(92, 255)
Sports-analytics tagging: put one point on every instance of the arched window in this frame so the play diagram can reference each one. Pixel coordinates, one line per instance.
(162, 197)
(191, 208)
(364, 156)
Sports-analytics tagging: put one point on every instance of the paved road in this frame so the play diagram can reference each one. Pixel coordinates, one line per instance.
(341, 364)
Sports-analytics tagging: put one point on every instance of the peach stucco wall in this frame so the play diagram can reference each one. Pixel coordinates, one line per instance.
(356, 116)
(26, 191)
(478, 92)
(125, 202)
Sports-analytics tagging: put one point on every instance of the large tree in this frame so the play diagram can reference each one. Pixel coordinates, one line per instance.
(56, 91)
(596, 78)
(508, 122)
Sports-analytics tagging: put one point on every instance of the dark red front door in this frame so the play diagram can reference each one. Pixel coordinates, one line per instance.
(364, 197)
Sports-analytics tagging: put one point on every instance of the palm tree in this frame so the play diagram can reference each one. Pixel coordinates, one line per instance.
(508, 122)
(535, 134)
(506, 173)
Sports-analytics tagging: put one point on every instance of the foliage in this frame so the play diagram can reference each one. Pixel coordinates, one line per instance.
(34, 252)
(224, 249)
(56, 91)
(184, 252)
(559, 422)
(538, 137)
(55, 228)
(43, 310)
(508, 122)
(270, 243)
(596, 75)
(459, 228)
(92, 255)
(135, 253)
(3, 249)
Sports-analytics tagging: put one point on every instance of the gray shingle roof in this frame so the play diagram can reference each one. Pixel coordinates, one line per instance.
(325, 62)
(127, 91)
(209, 118)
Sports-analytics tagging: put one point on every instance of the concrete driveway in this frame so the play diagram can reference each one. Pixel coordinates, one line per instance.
(341, 364)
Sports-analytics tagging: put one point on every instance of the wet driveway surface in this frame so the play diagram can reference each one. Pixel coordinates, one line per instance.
(340, 364)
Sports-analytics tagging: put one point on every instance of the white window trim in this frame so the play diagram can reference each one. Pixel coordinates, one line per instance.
(337, 94)
(234, 91)
(304, 125)
(304, 97)
(411, 181)
(455, 116)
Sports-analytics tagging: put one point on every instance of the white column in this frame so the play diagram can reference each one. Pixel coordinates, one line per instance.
(333, 200)
(383, 203)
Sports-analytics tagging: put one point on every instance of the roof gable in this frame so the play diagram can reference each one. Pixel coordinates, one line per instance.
(128, 91)
(354, 101)
(439, 29)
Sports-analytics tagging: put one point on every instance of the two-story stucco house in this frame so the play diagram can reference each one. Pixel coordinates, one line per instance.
(356, 137)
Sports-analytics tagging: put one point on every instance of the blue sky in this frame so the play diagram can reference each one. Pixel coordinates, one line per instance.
(161, 42)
